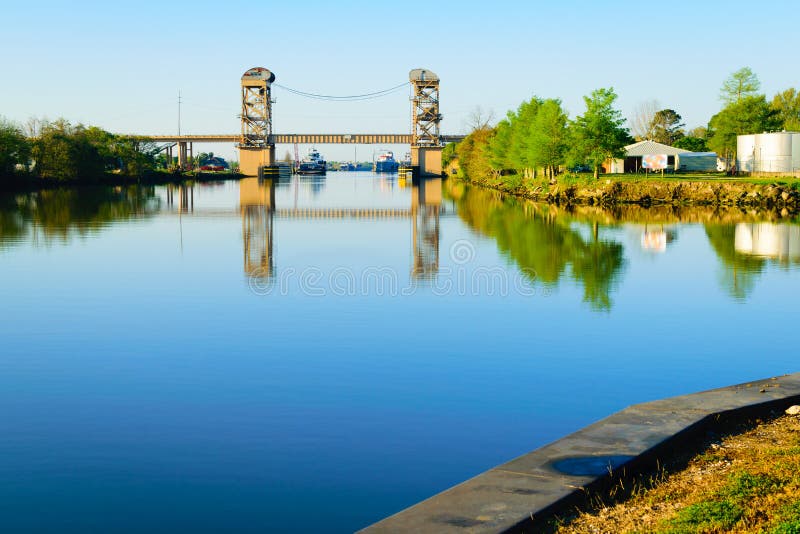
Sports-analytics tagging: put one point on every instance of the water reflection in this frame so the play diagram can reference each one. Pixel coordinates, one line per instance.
(185, 197)
(311, 182)
(258, 207)
(657, 239)
(426, 203)
(547, 243)
(44, 215)
(745, 249)
(543, 242)
(769, 240)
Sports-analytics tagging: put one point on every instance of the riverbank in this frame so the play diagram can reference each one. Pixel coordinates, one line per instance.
(613, 458)
(25, 184)
(748, 481)
(779, 195)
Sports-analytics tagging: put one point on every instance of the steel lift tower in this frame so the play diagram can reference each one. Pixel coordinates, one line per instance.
(256, 146)
(426, 142)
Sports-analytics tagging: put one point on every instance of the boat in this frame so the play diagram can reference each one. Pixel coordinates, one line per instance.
(405, 165)
(314, 163)
(386, 162)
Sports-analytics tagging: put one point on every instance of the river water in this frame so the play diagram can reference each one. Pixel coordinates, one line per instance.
(317, 353)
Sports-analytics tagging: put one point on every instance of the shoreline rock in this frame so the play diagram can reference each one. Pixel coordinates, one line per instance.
(780, 198)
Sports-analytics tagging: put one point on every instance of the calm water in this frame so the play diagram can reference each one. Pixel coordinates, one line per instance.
(318, 353)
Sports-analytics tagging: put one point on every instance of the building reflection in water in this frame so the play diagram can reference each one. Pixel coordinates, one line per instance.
(768, 240)
(657, 239)
(426, 202)
(257, 203)
(185, 197)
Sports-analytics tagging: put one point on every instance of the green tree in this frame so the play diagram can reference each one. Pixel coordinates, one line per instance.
(134, 155)
(667, 127)
(598, 134)
(448, 153)
(15, 148)
(787, 105)
(740, 85)
(472, 153)
(519, 150)
(65, 152)
(695, 144)
(548, 136)
(499, 146)
(751, 114)
(698, 131)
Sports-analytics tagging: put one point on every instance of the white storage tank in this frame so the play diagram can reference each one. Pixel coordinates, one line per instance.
(777, 152)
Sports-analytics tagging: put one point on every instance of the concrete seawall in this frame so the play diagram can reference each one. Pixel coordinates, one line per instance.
(521, 494)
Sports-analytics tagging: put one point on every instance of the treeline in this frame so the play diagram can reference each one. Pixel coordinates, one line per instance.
(744, 111)
(60, 151)
(539, 138)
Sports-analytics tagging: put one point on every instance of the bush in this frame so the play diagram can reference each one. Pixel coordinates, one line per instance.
(15, 149)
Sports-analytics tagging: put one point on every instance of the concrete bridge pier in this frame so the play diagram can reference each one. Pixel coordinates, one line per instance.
(426, 160)
(253, 158)
(185, 156)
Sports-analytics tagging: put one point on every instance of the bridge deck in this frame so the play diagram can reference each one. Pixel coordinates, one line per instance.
(311, 139)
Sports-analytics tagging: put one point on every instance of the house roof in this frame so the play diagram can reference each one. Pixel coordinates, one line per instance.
(646, 148)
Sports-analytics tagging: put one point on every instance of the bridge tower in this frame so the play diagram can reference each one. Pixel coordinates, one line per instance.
(426, 143)
(256, 146)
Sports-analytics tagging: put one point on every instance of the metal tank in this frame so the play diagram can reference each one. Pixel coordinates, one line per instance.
(775, 152)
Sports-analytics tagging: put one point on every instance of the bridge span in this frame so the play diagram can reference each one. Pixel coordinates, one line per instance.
(307, 139)
(256, 143)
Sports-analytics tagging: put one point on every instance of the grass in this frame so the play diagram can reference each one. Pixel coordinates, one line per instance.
(747, 482)
(719, 177)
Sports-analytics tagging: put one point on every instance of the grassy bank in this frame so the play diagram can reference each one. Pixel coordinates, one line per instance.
(744, 482)
(779, 194)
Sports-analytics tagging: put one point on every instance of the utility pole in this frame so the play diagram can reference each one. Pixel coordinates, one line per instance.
(179, 112)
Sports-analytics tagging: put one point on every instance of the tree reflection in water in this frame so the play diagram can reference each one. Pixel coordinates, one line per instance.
(63, 213)
(542, 243)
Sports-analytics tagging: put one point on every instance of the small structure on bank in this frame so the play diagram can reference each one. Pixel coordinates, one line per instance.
(634, 154)
(655, 156)
(769, 154)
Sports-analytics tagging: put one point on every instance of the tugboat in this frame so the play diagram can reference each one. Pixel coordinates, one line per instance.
(405, 165)
(314, 163)
(386, 162)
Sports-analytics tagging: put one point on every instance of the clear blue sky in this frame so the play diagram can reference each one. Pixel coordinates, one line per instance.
(120, 65)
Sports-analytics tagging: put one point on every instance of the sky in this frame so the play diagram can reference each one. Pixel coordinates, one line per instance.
(120, 66)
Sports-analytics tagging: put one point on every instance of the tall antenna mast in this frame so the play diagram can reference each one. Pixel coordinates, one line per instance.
(179, 112)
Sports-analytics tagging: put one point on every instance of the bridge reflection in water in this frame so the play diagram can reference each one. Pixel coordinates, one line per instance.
(258, 210)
